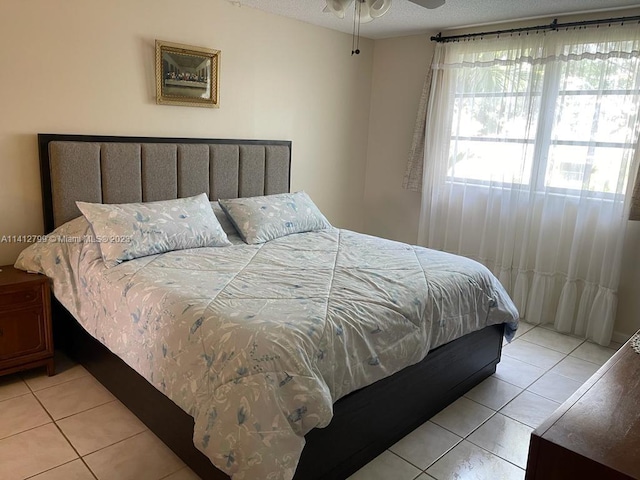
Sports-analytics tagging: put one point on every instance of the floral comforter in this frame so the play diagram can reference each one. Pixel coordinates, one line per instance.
(257, 342)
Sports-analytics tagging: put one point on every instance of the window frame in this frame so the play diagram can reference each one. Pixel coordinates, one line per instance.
(542, 139)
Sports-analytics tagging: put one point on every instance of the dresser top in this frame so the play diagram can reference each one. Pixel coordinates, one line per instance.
(12, 276)
(601, 421)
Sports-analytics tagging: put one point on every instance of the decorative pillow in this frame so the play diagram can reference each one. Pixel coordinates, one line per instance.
(131, 230)
(260, 219)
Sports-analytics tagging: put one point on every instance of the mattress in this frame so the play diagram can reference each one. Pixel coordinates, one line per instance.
(257, 342)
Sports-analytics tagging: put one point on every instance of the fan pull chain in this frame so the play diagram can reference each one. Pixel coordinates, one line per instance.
(355, 38)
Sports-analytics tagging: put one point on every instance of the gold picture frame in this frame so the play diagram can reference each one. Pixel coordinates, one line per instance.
(187, 76)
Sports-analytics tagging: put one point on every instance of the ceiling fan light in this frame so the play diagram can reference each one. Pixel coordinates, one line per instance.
(378, 8)
(365, 12)
(429, 3)
(338, 7)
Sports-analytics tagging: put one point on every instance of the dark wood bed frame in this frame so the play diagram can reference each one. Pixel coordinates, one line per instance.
(365, 422)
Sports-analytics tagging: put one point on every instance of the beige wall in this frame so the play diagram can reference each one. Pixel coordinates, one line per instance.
(87, 66)
(399, 66)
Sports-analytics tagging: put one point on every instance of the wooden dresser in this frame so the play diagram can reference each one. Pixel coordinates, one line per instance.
(26, 339)
(595, 433)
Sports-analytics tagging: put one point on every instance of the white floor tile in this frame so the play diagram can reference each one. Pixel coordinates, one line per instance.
(553, 340)
(425, 444)
(73, 397)
(463, 416)
(575, 369)
(505, 437)
(184, 474)
(516, 372)
(615, 345)
(32, 452)
(523, 327)
(594, 353)
(469, 462)
(100, 427)
(66, 370)
(75, 470)
(386, 466)
(531, 353)
(530, 409)
(142, 457)
(21, 413)
(12, 386)
(554, 387)
(493, 393)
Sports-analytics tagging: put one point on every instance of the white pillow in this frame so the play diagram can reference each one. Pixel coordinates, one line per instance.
(260, 219)
(132, 230)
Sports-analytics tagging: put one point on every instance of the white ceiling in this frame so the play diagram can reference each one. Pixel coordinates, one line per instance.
(406, 18)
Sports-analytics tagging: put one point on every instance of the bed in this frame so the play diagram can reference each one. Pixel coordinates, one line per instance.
(363, 422)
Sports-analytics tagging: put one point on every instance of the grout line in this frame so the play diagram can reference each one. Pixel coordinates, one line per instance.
(17, 396)
(114, 443)
(516, 420)
(538, 366)
(56, 384)
(457, 434)
(74, 449)
(81, 411)
(120, 441)
(532, 393)
(546, 346)
(553, 399)
(404, 460)
(495, 412)
(180, 469)
(65, 437)
(52, 468)
(25, 431)
(86, 409)
(43, 407)
(495, 455)
(547, 370)
(440, 456)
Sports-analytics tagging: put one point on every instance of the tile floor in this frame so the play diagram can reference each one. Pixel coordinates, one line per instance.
(485, 434)
(68, 427)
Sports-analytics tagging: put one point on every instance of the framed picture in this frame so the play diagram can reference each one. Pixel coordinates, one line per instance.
(188, 76)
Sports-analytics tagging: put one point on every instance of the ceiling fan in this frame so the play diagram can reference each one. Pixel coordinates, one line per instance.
(429, 3)
(371, 9)
(366, 11)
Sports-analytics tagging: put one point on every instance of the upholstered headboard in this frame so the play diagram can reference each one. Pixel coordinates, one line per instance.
(105, 169)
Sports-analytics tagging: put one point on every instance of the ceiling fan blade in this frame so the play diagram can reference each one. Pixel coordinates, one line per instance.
(429, 3)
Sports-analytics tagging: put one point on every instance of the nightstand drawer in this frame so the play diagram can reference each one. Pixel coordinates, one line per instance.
(23, 297)
(22, 332)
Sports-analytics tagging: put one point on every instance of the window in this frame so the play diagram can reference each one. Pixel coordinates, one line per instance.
(551, 125)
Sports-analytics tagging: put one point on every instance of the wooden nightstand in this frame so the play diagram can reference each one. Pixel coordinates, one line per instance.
(26, 339)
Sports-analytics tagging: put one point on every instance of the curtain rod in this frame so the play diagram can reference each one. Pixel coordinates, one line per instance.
(552, 26)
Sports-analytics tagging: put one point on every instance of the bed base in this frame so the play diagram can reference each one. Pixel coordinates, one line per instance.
(365, 423)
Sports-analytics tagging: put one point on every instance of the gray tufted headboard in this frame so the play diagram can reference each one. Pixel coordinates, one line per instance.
(105, 169)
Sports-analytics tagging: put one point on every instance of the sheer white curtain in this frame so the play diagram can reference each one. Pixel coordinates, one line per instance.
(530, 156)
